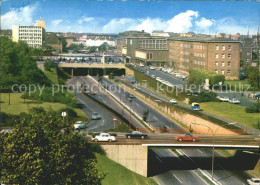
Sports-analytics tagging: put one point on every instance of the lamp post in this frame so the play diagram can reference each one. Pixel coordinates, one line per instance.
(213, 144)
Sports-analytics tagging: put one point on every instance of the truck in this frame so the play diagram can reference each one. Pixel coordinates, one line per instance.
(104, 137)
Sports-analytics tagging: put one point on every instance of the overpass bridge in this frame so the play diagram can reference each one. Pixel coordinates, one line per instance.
(83, 69)
(134, 153)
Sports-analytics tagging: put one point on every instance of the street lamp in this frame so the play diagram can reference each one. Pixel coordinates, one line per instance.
(213, 144)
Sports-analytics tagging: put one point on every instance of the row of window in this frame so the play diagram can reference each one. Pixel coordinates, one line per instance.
(184, 45)
(223, 71)
(31, 42)
(152, 44)
(200, 55)
(30, 38)
(223, 64)
(184, 52)
(223, 56)
(199, 47)
(30, 30)
(149, 56)
(30, 34)
(223, 47)
(199, 62)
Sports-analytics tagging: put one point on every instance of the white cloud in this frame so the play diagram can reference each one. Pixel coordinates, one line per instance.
(19, 16)
(85, 19)
(56, 22)
(119, 25)
(204, 23)
(182, 22)
(179, 23)
(230, 25)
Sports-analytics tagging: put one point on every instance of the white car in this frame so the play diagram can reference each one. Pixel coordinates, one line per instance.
(104, 137)
(234, 101)
(141, 65)
(152, 68)
(79, 125)
(153, 76)
(224, 99)
(253, 181)
(173, 101)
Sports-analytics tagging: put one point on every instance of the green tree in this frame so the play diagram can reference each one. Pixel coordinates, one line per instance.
(253, 77)
(41, 154)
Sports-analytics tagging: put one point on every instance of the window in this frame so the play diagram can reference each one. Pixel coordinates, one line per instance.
(223, 64)
(223, 55)
(217, 47)
(228, 72)
(216, 63)
(131, 42)
(216, 71)
(216, 55)
(223, 47)
(229, 64)
(229, 55)
(248, 53)
(229, 48)
(222, 72)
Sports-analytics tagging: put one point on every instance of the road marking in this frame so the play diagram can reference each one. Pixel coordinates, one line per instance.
(177, 178)
(155, 118)
(159, 159)
(200, 151)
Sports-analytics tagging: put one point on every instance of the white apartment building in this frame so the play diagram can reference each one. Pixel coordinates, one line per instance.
(32, 35)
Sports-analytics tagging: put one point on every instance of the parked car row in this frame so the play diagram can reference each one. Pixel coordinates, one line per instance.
(174, 73)
(226, 99)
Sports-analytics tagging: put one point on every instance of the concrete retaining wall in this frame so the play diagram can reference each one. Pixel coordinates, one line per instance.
(133, 157)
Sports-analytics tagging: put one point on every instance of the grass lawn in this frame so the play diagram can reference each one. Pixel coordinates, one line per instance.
(233, 112)
(17, 105)
(52, 75)
(239, 84)
(116, 174)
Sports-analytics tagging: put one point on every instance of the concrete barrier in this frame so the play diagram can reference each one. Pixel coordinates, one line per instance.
(133, 157)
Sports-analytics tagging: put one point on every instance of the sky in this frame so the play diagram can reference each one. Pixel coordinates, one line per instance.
(82, 16)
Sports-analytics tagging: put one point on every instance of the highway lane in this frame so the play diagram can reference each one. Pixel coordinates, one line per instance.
(103, 97)
(225, 177)
(105, 123)
(244, 101)
(166, 159)
(156, 119)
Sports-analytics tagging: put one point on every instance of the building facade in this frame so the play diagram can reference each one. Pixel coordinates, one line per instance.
(214, 55)
(32, 35)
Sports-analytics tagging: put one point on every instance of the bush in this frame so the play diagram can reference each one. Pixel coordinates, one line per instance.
(49, 64)
(254, 108)
(204, 97)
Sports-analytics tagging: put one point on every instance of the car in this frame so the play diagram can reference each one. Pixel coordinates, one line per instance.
(136, 134)
(131, 96)
(257, 96)
(187, 137)
(6, 130)
(141, 65)
(141, 71)
(173, 101)
(195, 106)
(104, 137)
(79, 125)
(224, 99)
(95, 115)
(152, 68)
(234, 101)
(253, 181)
(153, 76)
(92, 93)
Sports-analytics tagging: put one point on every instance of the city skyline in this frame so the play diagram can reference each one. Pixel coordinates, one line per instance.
(118, 16)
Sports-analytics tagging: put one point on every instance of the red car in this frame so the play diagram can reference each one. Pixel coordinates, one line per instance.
(92, 93)
(187, 137)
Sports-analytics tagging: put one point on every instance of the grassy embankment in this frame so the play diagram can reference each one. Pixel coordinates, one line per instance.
(116, 174)
(237, 85)
(233, 112)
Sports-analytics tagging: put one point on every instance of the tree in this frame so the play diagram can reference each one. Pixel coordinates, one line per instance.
(253, 77)
(39, 153)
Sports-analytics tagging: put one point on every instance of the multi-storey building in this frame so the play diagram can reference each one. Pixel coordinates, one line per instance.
(32, 35)
(216, 55)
